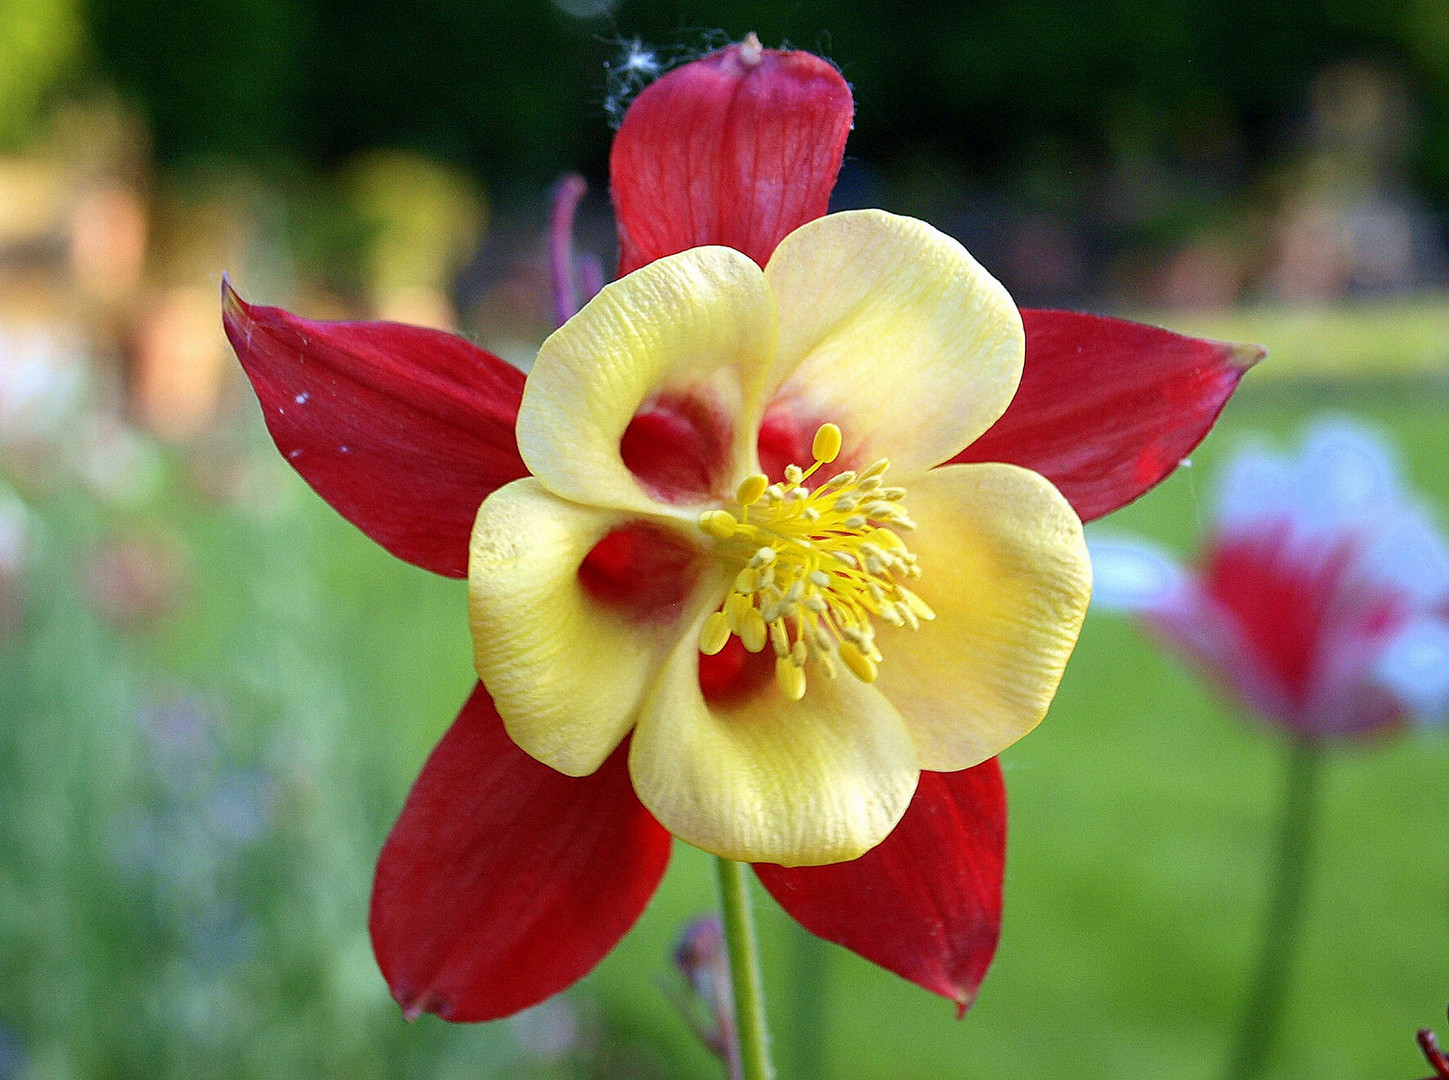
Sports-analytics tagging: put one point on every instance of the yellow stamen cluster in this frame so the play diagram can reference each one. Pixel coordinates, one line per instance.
(817, 568)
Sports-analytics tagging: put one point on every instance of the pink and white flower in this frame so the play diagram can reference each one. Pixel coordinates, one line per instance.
(1320, 599)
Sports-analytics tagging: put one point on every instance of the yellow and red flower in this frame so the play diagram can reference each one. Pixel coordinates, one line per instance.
(776, 547)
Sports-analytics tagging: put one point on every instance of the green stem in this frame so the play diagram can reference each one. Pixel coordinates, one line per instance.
(1283, 922)
(808, 1004)
(752, 1040)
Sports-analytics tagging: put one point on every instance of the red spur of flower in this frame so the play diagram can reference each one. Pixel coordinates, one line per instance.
(505, 880)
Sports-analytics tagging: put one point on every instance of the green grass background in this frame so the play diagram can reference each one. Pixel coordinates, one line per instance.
(324, 671)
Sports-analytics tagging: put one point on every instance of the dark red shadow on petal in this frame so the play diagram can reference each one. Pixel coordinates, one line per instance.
(728, 150)
(786, 439)
(734, 673)
(503, 881)
(403, 430)
(926, 902)
(641, 570)
(1108, 408)
(678, 449)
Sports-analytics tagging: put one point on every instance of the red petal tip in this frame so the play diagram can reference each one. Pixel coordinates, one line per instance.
(1244, 356)
(737, 148)
(926, 902)
(477, 901)
(232, 306)
(402, 429)
(1107, 408)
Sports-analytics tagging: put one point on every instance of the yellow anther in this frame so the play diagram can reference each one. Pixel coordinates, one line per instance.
(720, 524)
(826, 446)
(734, 609)
(888, 540)
(747, 580)
(860, 665)
(791, 677)
(916, 604)
(714, 634)
(752, 631)
(751, 488)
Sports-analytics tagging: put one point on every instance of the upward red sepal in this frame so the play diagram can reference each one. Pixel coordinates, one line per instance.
(926, 902)
(404, 430)
(739, 148)
(1107, 408)
(503, 881)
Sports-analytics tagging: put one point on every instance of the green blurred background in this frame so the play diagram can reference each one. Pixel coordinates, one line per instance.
(214, 693)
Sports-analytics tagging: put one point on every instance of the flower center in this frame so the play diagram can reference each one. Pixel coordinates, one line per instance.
(816, 568)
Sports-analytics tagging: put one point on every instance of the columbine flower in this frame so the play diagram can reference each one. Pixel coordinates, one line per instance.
(888, 342)
(709, 553)
(1320, 598)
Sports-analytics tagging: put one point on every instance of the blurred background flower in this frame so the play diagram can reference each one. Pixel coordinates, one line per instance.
(1320, 603)
(1320, 598)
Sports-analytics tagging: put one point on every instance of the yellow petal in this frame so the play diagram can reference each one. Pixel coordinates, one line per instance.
(893, 331)
(566, 672)
(699, 325)
(819, 780)
(1005, 568)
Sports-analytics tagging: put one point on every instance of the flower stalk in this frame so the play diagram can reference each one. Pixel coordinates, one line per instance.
(1282, 925)
(749, 1057)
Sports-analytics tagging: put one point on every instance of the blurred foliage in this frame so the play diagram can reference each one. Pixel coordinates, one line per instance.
(1368, 342)
(39, 42)
(193, 783)
(407, 248)
(1000, 88)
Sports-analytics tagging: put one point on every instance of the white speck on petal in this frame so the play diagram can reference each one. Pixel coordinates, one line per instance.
(301, 399)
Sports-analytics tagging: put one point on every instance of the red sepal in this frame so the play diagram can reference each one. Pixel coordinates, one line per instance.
(503, 881)
(404, 430)
(739, 148)
(926, 902)
(1107, 408)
